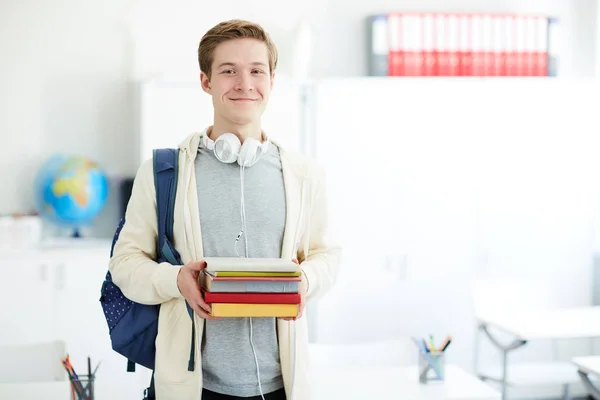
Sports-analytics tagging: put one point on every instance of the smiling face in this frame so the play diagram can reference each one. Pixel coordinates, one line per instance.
(240, 81)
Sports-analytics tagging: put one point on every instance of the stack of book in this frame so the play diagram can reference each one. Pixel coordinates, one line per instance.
(252, 287)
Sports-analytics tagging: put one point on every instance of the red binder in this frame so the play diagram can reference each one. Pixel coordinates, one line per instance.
(396, 45)
(429, 39)
(452, 24)
(512, 56)
(465, 46)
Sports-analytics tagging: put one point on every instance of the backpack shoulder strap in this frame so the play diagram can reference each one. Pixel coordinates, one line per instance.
(166, 165)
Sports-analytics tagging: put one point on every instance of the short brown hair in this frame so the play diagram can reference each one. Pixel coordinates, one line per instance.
(228, 30)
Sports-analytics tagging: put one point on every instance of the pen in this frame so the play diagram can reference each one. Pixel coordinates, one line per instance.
(417, 343)
(445, 343)
(431, 345)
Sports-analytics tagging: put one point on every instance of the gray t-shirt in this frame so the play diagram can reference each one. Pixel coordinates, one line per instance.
(228, 363)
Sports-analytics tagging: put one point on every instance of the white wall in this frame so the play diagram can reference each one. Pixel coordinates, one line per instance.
(68, 65)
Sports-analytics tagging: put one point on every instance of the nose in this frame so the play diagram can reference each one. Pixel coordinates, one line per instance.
(244, 83)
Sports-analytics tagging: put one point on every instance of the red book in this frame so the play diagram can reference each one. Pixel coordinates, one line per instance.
(251, 298)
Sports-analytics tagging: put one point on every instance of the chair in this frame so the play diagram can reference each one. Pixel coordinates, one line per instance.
(502, 297)
(34, 372)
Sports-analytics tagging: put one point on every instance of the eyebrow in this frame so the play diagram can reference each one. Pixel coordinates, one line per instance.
(230, 64)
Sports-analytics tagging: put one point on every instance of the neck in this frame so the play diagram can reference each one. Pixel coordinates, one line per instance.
(242, 131)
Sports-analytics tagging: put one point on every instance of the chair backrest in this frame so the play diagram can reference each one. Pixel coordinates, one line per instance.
(40, 362)
(499, 297)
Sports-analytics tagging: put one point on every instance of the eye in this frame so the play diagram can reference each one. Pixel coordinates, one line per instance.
(257, 71)
(227, 71)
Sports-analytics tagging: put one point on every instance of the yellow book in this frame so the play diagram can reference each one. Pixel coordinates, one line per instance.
(253, 310)
(254, 273)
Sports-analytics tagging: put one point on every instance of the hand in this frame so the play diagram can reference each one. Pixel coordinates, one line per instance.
(189, 286)
(302, 297)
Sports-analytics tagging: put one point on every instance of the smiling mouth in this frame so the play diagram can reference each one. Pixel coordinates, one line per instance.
(243, 100)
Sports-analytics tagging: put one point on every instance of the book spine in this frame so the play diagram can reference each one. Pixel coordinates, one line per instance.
(429, 45)
(412, 41)
(452, 25)
(442, 48)
(553, 44)
(252, 298)
(377, 45)
(395, 45)
(488, 45)
(512, 57)
(478, 35)
(521, 50)
(256, 287)
(254, 310)
(465, 48)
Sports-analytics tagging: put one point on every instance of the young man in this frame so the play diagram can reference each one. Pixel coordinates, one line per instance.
(266, 202)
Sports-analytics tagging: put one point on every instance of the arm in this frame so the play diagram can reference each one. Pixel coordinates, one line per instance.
(132, 264)
(319, 256)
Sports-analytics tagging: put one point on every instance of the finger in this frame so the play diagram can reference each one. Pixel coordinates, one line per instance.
(199, 300)
(203, 314)
(204, 309)
(198, 265)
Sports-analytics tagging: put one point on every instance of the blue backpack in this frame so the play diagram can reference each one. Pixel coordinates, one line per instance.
(133, 327)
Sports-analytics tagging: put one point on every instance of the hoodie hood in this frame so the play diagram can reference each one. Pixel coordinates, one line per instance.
(190, 144)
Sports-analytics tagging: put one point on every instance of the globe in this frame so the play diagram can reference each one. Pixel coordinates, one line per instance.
(70, 191)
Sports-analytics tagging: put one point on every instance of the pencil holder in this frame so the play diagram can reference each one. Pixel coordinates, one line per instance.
(82, 388)
(431, 366)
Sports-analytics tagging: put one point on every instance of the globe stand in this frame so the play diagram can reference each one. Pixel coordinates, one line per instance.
(76, 233)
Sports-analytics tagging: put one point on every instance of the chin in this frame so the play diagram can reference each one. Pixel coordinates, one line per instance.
(244, 119)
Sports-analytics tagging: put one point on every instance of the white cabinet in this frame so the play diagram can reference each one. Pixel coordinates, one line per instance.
(26, 296)
(54, 293)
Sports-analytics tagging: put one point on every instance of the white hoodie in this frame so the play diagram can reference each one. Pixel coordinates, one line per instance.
(141, 279)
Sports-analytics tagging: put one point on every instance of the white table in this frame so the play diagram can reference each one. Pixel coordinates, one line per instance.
(589, 370)
(566, 323)
(356, 383)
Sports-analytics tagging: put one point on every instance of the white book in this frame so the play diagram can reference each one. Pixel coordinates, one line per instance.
(215, 264)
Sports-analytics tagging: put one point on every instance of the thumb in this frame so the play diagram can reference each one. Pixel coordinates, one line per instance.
(198, 265)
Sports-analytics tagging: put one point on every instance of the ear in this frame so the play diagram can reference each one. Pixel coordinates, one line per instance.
(205, 82)
(272, 79)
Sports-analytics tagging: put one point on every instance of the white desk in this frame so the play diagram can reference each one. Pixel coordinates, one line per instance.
(59, 390)
(566, 323)
(357, 383)
(589, 370)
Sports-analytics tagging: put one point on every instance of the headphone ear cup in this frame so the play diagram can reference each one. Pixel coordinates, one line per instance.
(250, 152)
(227, 148)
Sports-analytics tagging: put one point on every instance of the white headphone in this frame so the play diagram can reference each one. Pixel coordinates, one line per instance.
(228, 148)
